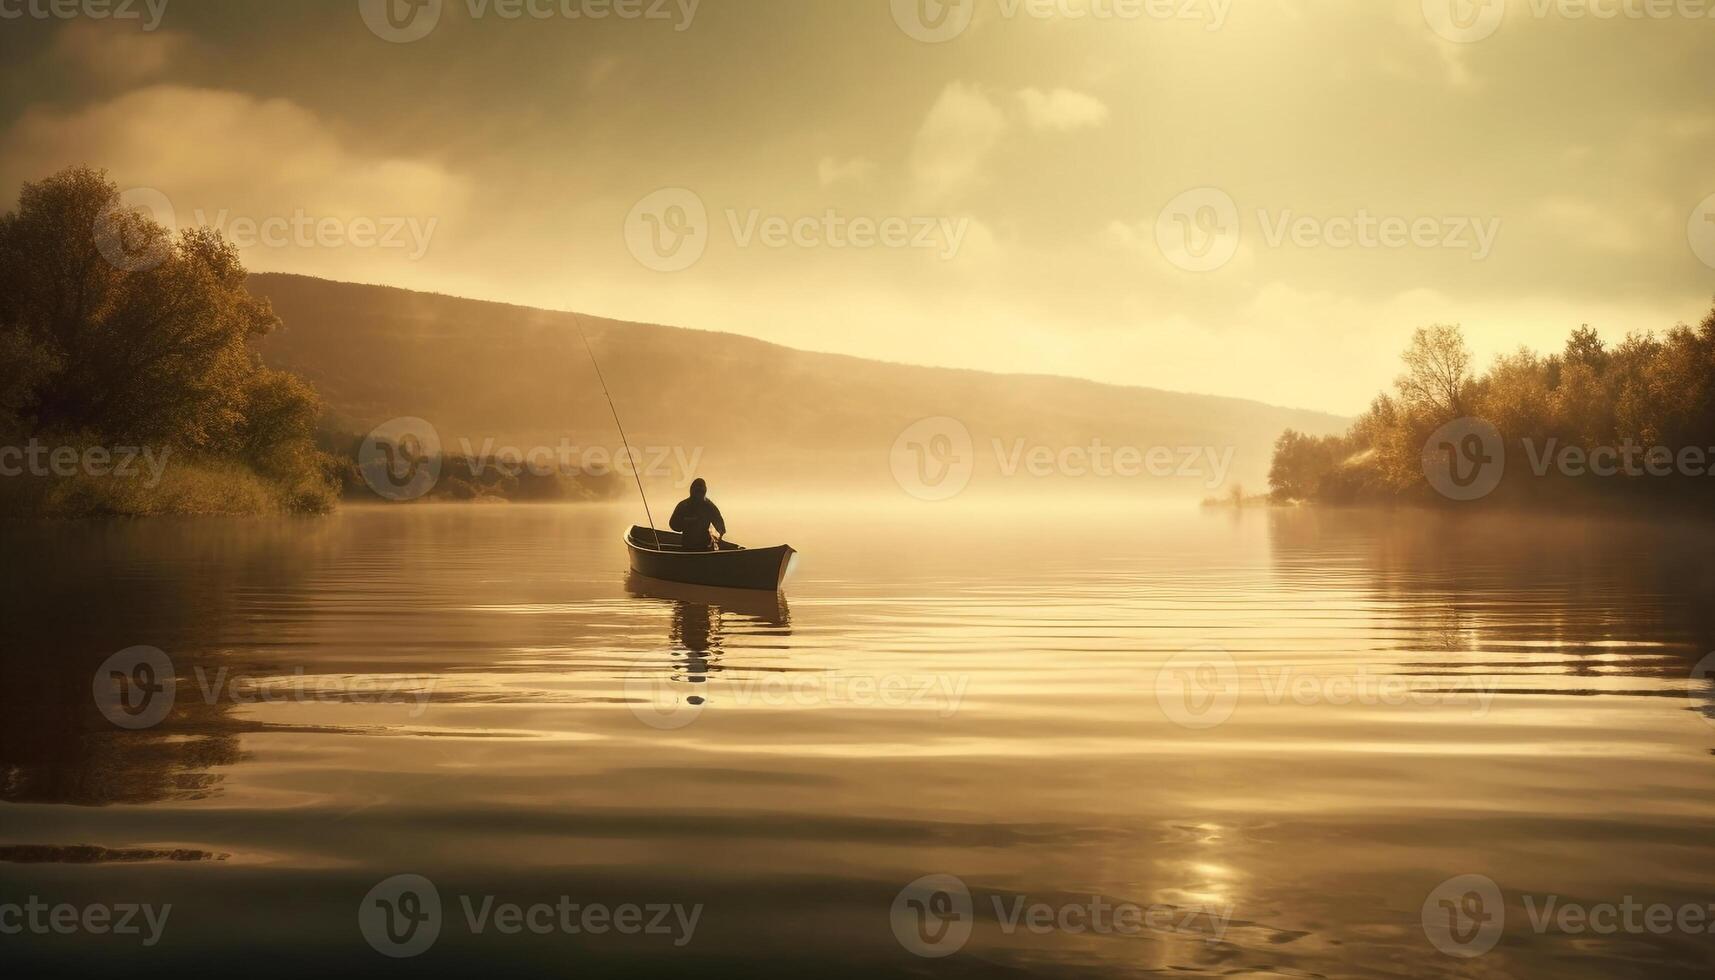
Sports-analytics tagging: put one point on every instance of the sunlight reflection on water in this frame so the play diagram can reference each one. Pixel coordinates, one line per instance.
(1309, 719)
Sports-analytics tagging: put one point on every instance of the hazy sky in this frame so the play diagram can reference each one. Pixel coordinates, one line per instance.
(1355, 168)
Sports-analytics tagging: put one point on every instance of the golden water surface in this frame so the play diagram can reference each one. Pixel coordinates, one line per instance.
(1275, 735)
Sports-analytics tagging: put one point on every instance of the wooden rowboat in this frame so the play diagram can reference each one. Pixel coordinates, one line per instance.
(658, 555)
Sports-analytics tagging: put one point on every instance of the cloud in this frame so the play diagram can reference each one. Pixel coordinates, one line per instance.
(1062, 109)
(115, 54)
(1602, 229)
(217, 149)
(1122, 235)
(962, 127)
(228, 160)
(601, 71)
(832, 170)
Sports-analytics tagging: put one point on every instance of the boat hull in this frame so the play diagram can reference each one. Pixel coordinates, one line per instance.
(656, 554)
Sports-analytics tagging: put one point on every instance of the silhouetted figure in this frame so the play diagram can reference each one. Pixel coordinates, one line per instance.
(694, 516)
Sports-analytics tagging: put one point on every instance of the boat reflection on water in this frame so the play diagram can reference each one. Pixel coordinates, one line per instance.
(706, 619)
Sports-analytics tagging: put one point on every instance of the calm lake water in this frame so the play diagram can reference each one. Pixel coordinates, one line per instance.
(1123, 742)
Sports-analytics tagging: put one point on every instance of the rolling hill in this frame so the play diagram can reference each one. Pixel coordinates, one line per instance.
(759, 413)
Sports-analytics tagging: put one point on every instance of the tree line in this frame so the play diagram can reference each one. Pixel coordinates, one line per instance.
(129, 384)
(1588, 424)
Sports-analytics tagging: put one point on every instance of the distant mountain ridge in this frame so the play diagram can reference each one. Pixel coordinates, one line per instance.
(759, 413)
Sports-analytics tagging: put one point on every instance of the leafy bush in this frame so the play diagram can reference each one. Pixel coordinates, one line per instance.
(113, 329)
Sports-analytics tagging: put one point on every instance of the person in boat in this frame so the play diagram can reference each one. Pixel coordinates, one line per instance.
(694, 517)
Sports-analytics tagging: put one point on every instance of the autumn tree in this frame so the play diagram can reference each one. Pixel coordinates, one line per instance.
(113, 330)
(1437, 374)
(1649, 392)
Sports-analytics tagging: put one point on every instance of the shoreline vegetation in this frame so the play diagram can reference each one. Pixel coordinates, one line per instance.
(120, 340)
(117, 336)
(1590, 427)
(462, 477)
(129, 386)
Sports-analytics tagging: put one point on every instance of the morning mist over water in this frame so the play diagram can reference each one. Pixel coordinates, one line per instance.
(895, 488)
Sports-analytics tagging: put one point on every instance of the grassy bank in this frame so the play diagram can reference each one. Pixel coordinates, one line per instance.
(187, 489)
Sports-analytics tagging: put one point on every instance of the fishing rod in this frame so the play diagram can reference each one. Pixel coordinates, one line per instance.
(578, 322)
